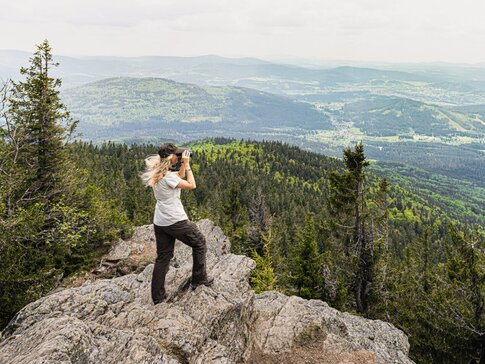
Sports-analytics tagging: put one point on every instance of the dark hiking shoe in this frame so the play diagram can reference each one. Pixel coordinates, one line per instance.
(207, 282)
(160, 300)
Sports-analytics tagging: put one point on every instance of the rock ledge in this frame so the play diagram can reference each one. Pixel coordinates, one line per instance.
(112, 320)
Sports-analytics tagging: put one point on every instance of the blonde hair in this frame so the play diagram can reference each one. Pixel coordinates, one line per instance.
(156, 168)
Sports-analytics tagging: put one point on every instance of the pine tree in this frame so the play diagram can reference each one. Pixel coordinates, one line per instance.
(307, 262)
(43, 126)
(347, 204)
(259, 218)
(34, 163)
(437, 296)
(51, 219)
(263, 277)
(235, 219)
(460, 296)
(379, 291)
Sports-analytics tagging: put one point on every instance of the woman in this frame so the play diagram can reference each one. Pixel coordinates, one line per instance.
(170, 220)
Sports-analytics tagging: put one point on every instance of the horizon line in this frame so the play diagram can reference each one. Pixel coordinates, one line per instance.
(280, 58)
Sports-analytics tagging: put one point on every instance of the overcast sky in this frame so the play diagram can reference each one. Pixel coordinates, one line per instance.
(363, 30)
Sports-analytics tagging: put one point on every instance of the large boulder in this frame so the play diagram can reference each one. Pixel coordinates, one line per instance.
(113, 320)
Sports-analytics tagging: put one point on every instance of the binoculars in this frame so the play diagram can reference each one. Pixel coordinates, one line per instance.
(176, 166)
(179, 154)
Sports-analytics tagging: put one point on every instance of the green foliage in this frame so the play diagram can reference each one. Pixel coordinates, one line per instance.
(446, 140)
(433, 164)
(53, 222)
(263, 277)
(350, 224)
(238, 188)
(116, 105)
(307, 262)
(437, 296)
(42, 125)
(389, 116)
(458, 199)
(235, 218)
(252, 189)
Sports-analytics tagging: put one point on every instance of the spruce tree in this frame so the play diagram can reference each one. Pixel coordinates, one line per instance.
(460, 294)
(437, 296)
(52, 220)
(259, 220)
(379, 291)
(307, 261)
(33, 179)
(347, 205)
(43, 127)
(235, 219)
(263, 276)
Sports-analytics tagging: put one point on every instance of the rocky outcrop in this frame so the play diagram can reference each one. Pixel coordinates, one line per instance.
(113, 320)
(295, 330)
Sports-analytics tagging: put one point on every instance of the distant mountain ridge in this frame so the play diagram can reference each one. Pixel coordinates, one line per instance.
(83, 69)
(145, 105)
(397, 110)
(150, 101)
(387, 116)
(218, 70)
(395, 129)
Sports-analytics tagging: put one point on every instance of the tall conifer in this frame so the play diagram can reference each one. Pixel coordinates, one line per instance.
(43, 126)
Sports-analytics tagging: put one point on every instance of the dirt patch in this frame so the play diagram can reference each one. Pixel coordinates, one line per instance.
(107, 270)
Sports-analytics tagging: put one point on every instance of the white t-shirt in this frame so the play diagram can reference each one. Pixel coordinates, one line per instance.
(169, 208)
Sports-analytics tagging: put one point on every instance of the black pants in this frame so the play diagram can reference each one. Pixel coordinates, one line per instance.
(187, 232)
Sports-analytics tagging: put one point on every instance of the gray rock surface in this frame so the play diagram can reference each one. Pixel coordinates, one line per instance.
(295, 330)
(114, 320)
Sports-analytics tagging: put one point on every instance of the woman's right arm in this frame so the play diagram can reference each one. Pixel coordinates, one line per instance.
(190, 183)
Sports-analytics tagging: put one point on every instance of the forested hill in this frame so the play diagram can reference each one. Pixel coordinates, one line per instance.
(318, 227)
(296, 212)
(400, 129)
(125, 107)
(284, 173)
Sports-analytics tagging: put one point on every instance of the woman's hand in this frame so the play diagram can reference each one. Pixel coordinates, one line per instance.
(185, 157)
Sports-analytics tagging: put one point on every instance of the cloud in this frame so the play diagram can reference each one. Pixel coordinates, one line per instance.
(121, 13)
(391, 30)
